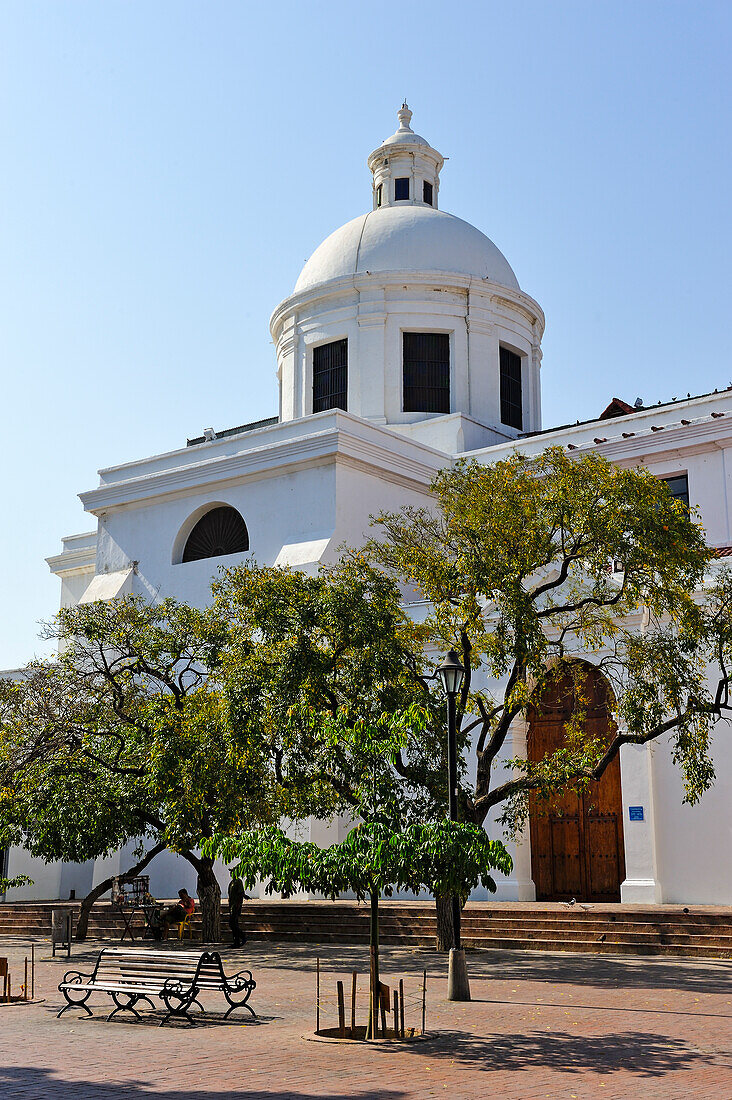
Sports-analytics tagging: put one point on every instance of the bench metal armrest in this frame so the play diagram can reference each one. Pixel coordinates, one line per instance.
(75, 977)
(175, 985)
(239, 981)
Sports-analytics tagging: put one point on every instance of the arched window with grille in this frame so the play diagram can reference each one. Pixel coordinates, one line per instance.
(220, 531)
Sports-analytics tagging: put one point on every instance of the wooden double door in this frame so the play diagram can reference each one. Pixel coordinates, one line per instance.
(577, 848)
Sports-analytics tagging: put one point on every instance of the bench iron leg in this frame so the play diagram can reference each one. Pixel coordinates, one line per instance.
(238, 1004)
(184, 998)
(129, 1005)
(76, 1004)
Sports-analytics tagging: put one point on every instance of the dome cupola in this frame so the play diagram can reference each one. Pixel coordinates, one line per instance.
(405, 168)
(411, 318)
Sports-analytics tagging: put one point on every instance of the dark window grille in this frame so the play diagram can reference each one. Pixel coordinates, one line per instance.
(401, 188)
(220, 531)
(427, 192)
(330, 376)
(378, 195)
(511, 400)
(678, 487)
(426, 372)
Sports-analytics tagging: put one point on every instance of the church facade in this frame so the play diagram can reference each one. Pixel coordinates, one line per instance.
(407, 342)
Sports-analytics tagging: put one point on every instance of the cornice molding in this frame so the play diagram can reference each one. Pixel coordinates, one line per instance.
(70, 562)
(480, 326)
(345, 438)
(642, 440)
(684, 439)
(497, 293)
(371, 320)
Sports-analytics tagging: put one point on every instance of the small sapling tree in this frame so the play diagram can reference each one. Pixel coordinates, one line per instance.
(387, 850)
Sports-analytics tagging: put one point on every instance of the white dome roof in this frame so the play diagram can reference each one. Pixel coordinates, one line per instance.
(406, 238)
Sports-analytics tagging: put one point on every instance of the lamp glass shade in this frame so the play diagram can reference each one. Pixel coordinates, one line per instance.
(451, 673)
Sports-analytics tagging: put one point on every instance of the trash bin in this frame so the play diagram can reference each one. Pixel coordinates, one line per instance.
(61, 928)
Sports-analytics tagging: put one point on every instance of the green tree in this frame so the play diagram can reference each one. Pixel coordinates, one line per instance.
(308, 654)
(127, 734)
(388, 849)
(517, 560)
(55, 803)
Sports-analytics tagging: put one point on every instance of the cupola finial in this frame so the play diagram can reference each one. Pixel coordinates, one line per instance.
(405, 117)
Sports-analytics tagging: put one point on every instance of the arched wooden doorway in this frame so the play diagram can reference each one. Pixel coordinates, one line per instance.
(576, 841)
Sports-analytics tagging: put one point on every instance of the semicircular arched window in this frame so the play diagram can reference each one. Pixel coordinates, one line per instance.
(220, 531)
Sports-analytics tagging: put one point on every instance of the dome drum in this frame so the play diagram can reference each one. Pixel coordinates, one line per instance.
(372, 313)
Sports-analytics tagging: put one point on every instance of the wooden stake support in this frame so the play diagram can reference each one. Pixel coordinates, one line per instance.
(341, 1012)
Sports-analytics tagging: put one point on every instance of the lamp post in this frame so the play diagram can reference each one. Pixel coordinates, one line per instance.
(451, 674)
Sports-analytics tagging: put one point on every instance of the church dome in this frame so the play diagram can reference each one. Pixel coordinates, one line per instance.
(414, 238)
(410, 317)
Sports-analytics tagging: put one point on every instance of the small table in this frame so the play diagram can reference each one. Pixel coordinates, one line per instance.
(128, 913)
(132, 896)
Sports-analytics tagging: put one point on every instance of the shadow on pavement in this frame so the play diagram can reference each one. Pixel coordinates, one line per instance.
(641, 1053)
(32, 1083)
(153, 1019)
(599, 971)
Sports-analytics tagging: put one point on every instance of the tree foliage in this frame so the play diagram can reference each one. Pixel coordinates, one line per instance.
(312, 664)
(532, 565)
(127, 735)
(444, 857)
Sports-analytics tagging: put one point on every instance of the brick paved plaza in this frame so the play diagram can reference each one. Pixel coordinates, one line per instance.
(541, 1026)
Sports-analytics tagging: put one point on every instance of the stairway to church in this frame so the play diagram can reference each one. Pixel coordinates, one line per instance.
(696, 931)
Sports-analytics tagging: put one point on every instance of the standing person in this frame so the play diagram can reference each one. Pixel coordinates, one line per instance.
(236, 900)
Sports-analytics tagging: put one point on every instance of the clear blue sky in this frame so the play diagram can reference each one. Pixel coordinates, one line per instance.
(167, 168)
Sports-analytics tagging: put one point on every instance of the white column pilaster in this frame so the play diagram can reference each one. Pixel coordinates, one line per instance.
(641, 883)
(290, 388)
(369, 362)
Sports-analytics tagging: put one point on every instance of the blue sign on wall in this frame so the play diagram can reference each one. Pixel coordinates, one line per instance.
(635, 813)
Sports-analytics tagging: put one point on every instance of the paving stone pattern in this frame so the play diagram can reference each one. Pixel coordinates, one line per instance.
(541, 1027)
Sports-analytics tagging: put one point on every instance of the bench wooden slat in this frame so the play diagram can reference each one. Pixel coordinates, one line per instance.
(136, 968)
(111, 988)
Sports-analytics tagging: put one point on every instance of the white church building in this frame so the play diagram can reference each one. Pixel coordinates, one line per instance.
(406, 342)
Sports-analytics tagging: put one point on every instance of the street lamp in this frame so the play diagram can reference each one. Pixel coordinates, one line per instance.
(451, 674)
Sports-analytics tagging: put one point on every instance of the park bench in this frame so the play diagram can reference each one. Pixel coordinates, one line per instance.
(175, 977)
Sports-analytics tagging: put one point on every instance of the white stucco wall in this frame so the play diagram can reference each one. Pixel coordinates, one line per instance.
(693, 842)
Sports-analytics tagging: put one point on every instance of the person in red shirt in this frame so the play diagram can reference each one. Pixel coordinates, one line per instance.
(174, 914)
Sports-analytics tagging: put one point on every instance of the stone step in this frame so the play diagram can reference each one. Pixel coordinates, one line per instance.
(610, 947)
(637, 930)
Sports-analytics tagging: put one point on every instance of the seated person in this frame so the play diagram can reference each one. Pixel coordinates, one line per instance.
(174, 914)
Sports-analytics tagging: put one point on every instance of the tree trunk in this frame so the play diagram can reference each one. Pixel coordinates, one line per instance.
(82, 923)
(209, 894)
(372, 1029)
(445, 932)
